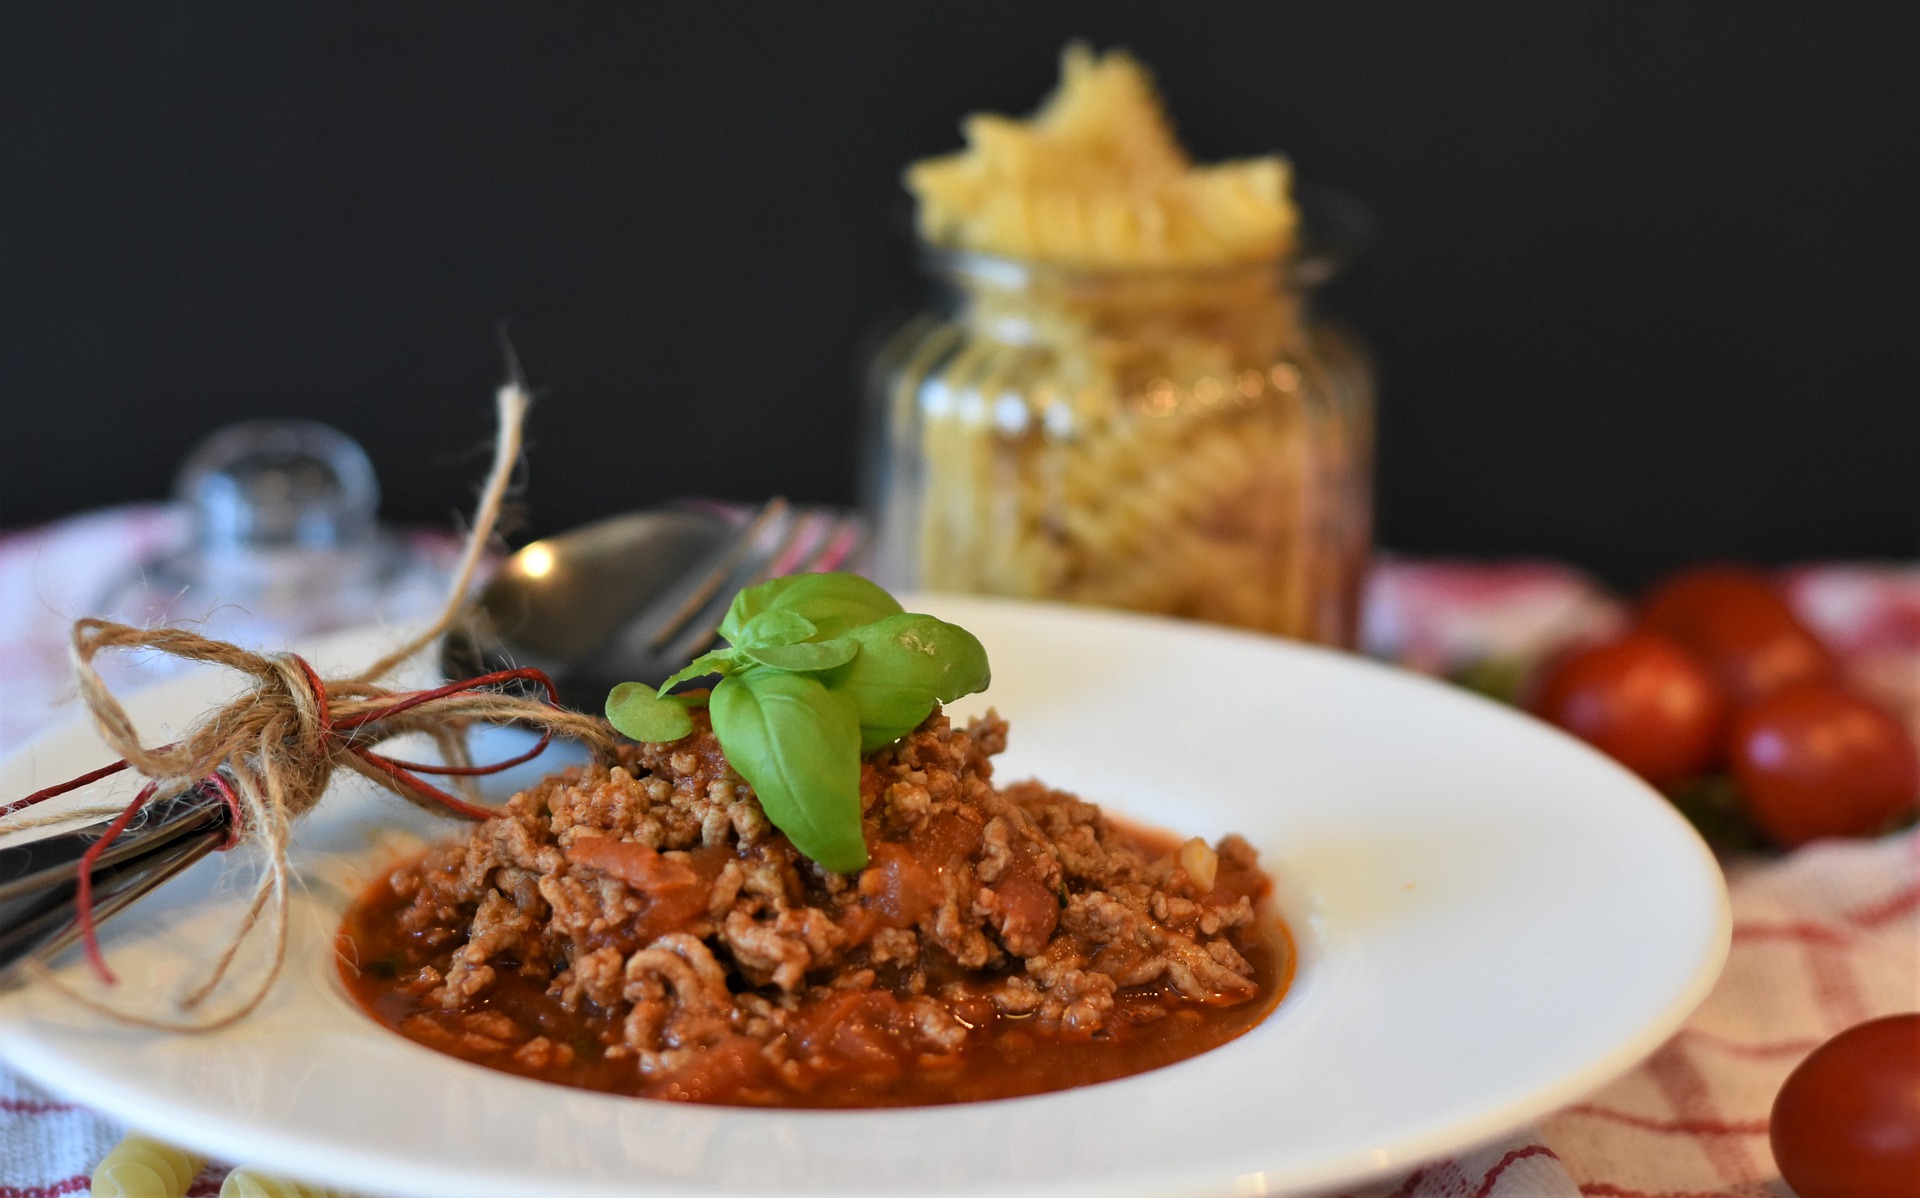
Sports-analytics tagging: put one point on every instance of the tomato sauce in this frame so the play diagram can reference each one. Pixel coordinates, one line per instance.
(848, 1050)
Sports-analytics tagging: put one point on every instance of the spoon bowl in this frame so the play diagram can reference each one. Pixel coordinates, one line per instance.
(558, 603)
(633, 598)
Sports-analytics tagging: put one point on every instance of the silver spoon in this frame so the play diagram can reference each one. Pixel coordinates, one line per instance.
(633, 598)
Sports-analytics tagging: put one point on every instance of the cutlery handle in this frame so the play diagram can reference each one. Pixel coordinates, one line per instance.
(39, 879)
(30, 867)
(47, 925)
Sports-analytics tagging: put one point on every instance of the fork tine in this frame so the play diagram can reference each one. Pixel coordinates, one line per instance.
(836, 541)
(800, 550)
(823, 543)
(819, 539)
(843, 544)
(697, 632)
(700, 593)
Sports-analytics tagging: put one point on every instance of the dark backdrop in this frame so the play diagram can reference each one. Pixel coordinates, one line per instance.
(1643, 287)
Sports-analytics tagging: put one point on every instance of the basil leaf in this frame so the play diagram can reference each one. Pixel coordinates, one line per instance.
(798, 745)
(834, 603)
(716, 661)
(809, 657)
(779, 626)
(907, 663)
(634, 709)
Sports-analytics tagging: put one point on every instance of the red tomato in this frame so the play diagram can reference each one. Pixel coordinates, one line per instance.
(1818, 760)
(1732, 619)
(1642, 701)
(1847, 1122)
(1698, 592)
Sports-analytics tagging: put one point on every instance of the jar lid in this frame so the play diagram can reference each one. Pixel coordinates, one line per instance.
(278, 484)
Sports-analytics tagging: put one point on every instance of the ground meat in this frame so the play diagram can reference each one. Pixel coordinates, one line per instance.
(678, 1002)
(653, 896)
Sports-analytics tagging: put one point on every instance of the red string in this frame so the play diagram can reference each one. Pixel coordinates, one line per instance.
(105, 771)
(476, 771)
(402, 773)
(409, 702)
(83, 892)
(320, 695)
(426, 790)
(236, 816)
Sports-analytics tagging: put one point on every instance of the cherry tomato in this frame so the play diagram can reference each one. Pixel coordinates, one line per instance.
(1818, 760)
(1698, 592)
(1847, 1122)
(1732, 619)
(1640, 699)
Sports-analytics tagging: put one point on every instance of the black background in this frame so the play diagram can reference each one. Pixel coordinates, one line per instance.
(1643, 289)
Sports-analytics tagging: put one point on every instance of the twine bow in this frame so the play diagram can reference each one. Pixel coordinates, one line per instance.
(282, 739)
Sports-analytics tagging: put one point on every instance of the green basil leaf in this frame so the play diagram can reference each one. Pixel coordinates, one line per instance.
(809, 657)
(798, 745)
(779, 626)
(634, 709)
(716, 661)
(834, 602)
(906, 664)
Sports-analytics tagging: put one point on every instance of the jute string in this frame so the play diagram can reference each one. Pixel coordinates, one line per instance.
(273, 750)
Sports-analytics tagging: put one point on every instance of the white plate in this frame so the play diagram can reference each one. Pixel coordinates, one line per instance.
(1494, 920)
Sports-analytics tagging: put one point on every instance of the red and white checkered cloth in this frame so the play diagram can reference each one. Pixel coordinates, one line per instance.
(1823, 938)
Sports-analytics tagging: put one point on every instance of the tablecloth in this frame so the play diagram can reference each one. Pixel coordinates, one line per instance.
(1823, 938)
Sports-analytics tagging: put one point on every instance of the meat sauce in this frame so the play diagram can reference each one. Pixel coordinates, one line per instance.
(640, 930)
(856, 1056)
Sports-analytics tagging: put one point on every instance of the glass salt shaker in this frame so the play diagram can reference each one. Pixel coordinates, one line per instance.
(282, 542)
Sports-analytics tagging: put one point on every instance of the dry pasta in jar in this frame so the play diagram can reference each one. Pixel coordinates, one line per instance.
(1120, 400)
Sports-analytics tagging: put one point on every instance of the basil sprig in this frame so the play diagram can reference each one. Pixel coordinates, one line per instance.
(820, 669)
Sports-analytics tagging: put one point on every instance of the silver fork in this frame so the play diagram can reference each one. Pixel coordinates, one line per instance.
(680, 625)
(779, 540)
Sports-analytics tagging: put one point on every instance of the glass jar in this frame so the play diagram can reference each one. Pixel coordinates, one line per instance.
(1177, 441)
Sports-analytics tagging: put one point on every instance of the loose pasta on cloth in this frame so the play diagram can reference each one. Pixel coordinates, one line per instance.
(142, 1167)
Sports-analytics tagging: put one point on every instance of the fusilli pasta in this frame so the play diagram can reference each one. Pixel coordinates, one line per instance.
(1127, 409)
(142, 1167)
(251, 1183)
(1096, 178)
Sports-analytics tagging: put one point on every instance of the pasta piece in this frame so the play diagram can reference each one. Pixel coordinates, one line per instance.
(1096, 178)
(249, 1182)
(142, 1167)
